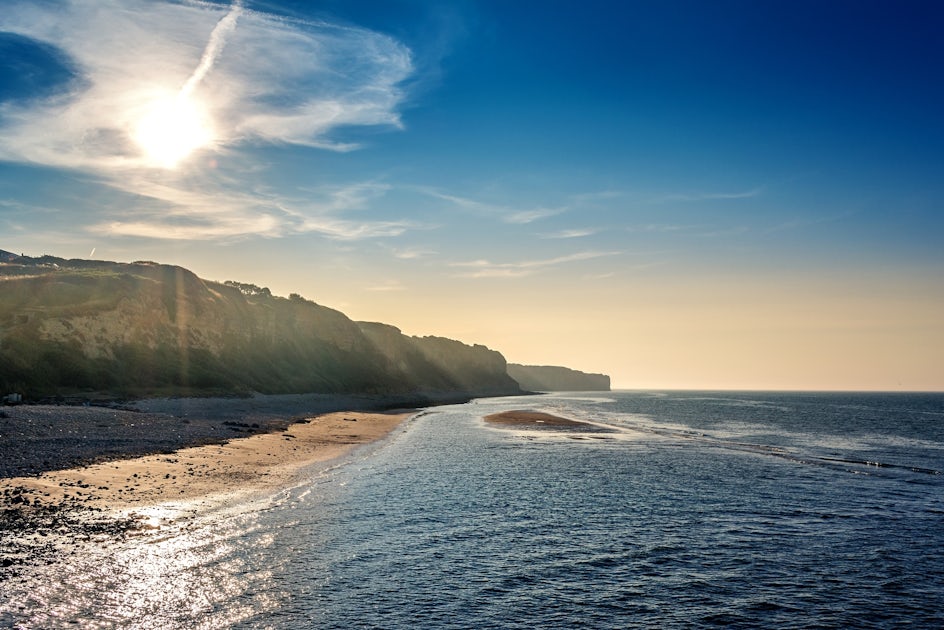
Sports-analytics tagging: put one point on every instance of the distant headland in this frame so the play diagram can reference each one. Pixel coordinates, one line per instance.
(550, 378)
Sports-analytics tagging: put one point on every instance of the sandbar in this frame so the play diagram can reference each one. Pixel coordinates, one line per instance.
(535, 419)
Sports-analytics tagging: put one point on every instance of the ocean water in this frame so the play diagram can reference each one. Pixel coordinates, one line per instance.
(680, 510)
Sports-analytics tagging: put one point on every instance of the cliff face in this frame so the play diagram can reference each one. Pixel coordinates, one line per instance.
(470, 367)
(546, 378)
(77, 326)
(439, 363)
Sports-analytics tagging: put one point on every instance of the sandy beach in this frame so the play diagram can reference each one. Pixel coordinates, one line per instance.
(239, 465)
(194, 461)
(45, 437)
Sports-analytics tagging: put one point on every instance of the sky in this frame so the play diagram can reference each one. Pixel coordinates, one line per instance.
(708, 195)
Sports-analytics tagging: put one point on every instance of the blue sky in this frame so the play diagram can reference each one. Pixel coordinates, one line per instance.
(681, 194)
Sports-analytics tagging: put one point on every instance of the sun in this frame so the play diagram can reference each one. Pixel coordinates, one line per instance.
(172, 128)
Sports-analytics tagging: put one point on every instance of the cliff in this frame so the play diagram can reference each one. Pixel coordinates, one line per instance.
(546, 378)
(445, 364)
(468, 366)
(77, 327)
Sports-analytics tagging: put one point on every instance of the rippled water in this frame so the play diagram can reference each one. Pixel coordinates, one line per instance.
(701, 510)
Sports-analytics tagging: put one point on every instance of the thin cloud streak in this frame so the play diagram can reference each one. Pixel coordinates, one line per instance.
(808, 222)
(565, 234)
(529, 216)
(413, 254)
(214, 47)
(732, 231)
(692, 230)
(488, 269)
(706, 196)
(660, 227)
(169, 212)
(503, 213)
(389, 287)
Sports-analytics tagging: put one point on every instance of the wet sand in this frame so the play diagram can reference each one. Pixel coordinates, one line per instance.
(536, 422)
(40, 438)
(535, 419)
(244, 464)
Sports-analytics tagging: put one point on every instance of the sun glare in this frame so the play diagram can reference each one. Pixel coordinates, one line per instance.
(171, 129)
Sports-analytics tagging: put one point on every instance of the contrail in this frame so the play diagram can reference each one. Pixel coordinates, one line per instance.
(93, 252)
(213, 48)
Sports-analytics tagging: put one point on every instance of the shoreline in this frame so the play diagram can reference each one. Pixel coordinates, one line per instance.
(239, 465)
(41, 516)
(40, 438)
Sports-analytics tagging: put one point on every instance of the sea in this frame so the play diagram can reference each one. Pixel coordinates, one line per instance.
(669, 510)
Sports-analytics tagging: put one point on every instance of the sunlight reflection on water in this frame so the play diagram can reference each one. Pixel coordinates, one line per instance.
(172, 573)
(658, 522)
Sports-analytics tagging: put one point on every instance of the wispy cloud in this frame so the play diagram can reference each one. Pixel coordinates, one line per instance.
(627, 269)
(167, 211)
(529, 216)
(254, 77)
(660, 227)
(730, 231)
(574, 233)
(488, 269)
(504, 213)
(708, 196)
(799, 223)
(700, 231)
(593, 197)
(387, 287)
(413, 254)
(276, 80)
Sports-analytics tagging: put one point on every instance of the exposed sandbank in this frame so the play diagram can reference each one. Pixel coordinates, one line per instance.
(531, 422)
(535, 418)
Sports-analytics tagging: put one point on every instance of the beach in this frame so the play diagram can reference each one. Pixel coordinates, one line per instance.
(58, 517)
(80, 472)
(45, 437)
(241, 464)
